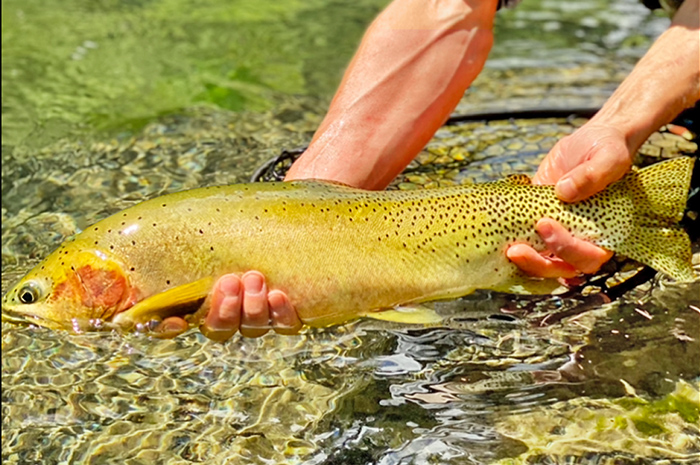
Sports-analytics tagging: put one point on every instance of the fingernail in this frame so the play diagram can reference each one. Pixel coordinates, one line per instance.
(566, 190)
(168, 326)
(277, 301)
(230, 285)
(253, 283)
(545, 230)
(216, 335)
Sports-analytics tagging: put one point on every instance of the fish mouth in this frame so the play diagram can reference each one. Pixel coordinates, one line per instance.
(24, 319)
(9, 316)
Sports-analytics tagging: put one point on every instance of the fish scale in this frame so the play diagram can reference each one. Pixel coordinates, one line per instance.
(340, 252)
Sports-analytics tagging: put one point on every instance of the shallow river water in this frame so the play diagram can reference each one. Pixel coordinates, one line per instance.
(109, 103)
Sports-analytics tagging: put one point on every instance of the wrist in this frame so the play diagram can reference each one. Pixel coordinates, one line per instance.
(664, 82)
(633, 131)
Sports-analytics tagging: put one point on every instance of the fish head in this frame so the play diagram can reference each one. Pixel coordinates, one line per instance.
(73, 288)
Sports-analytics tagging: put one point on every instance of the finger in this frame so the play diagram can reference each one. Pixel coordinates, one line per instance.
(283, 316)
(534, 264)
(593, 175)
(224, 317)
(170, 327)
(580, 254)
(255, 319)
(553, 167)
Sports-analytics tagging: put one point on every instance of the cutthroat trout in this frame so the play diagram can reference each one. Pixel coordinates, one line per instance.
(339, 252)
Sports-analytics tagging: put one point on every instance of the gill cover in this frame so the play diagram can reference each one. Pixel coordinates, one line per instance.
(71, 286)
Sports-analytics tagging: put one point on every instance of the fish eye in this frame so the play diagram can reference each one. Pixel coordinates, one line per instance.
(28, 294)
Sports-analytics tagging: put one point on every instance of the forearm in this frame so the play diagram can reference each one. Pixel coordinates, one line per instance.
(664, 82)
(410, 71)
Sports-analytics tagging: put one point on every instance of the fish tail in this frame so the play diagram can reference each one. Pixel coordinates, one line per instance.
(660, 193)
(691, 217)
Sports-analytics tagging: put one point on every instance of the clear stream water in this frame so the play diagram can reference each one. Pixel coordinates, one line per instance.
(106, 103)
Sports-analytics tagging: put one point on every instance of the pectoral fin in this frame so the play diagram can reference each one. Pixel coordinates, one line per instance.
(408, 315)
(177, 301)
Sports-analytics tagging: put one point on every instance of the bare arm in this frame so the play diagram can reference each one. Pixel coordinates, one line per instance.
(410, 71)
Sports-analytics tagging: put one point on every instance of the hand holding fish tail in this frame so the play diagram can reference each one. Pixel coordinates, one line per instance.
(580, 165)
(585, 162)
(600, 152)
(565, 255)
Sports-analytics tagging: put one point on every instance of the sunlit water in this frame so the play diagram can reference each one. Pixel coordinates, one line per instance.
(106, 104)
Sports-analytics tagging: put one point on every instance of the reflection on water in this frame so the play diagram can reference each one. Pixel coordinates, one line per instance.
(615, 383)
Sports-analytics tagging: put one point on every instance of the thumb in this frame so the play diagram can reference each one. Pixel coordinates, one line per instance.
(593, 175)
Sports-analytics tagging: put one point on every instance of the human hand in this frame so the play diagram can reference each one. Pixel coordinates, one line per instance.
(581, 165)
(241, 303)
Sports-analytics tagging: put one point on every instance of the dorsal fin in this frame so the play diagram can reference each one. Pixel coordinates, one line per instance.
(518, 179)
(323, 183)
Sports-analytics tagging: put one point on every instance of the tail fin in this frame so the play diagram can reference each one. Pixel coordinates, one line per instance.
(691, 218)
(660, 193)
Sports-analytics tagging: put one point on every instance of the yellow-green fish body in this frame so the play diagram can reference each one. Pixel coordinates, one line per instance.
(340, 252)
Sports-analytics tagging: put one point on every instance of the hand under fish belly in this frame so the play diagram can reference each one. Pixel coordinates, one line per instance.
(338, 252)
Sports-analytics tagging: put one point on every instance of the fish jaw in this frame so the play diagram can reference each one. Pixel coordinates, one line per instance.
(73, 288)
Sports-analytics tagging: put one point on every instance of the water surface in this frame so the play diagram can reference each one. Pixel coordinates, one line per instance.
(109, 103)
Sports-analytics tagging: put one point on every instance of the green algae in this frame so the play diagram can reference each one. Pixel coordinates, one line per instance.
(73, 67)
